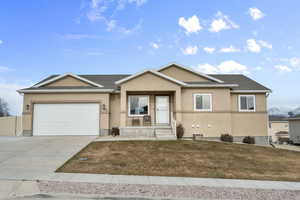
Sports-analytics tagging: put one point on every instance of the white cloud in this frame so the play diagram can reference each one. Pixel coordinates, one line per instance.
(191, 25)
(5, 69)
(283, 68)
(253, 46)
(190, 50)
(222, 22)
(138, 2)
(258, 68)
(122, 3)
(255, 13)
(99, 10)
(129, 31)
(230, 49)
(155, 45)
(110, 25)
(209, 49)
(294, 62)
(265, 44)
(225, 67)
(1, 42)
(9, 94)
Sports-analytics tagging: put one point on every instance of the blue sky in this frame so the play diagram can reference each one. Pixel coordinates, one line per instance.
(258, 38)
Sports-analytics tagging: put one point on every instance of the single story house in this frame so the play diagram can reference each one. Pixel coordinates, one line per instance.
(147, 103)
(294, 124)
(278, 127)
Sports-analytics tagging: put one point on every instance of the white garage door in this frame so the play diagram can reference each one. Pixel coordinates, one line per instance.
(66, 119)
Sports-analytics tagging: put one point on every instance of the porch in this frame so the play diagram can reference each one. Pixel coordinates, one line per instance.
(149, 114)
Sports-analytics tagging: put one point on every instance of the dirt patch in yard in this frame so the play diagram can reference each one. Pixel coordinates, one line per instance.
(186, 159)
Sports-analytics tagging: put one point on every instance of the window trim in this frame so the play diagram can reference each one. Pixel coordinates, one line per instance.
(210, 99)
(246, 95)
(134, 115)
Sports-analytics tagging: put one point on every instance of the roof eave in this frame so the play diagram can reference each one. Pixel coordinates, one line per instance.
(251, 91)
(64, 75)
(24, 91)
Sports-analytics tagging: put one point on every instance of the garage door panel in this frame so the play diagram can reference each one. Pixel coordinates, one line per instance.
(66, 119)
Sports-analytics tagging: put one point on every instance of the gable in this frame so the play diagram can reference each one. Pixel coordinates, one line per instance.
(67, 81)
(149, 82)
(183, 75)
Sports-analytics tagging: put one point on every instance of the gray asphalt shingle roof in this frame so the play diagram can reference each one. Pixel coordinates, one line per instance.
(108, 81)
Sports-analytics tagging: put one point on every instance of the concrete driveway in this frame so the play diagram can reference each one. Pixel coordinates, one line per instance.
(32, 158)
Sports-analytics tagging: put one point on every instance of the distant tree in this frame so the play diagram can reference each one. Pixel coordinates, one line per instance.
(4, 110)
(291, 114)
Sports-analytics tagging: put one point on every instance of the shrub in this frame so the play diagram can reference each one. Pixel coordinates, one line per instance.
(249, 140)
(115, 131)
(179, 131)
(226, 138)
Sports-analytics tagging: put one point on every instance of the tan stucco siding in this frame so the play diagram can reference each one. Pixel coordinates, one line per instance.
(31, 99)
(148, 82)
(220, 99)
(67, 81)
(114, 110)
(209, 124)
(182, 75)
(260, 102)
(249, 124)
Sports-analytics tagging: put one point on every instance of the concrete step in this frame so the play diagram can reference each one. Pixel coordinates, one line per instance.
(165, 134)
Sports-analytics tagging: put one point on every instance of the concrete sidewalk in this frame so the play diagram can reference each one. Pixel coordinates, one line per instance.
(156, 180)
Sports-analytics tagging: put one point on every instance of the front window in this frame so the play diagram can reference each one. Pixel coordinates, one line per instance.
(138, 105)
(202, 102)
(247, 102)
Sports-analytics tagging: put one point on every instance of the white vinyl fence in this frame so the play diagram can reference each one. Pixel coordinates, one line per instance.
(10, 126)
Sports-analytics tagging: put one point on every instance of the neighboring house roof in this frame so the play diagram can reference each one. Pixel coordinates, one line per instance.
(277, 118)
(294, 119)
(237, 82)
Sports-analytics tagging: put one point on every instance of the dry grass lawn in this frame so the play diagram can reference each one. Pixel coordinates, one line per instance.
(186, 159)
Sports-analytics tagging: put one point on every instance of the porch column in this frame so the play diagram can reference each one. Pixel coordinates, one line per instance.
(123, 104)
(178, 105)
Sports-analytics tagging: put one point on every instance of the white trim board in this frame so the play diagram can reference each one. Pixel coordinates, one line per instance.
(191, 70)
(64, 75)
(65, 90)
(251, 91)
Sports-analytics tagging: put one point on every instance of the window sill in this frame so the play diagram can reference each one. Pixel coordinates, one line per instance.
(137, 115)
(203, 110)
(246, 110)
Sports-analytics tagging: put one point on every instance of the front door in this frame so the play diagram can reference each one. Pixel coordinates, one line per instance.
(162, 110)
